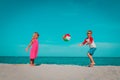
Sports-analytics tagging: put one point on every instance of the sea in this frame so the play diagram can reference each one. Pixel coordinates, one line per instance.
(81, 61)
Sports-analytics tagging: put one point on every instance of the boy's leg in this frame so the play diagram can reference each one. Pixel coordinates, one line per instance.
(90, 53)
(91, 58)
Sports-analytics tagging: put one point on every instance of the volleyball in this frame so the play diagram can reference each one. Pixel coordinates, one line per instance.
(66, 37)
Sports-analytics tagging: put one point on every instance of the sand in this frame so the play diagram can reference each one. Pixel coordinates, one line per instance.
(58, 72)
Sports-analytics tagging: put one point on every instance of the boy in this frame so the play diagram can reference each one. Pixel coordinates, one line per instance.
(89, 41)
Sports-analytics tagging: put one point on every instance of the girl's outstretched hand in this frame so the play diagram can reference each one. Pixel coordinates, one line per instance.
(26, 49)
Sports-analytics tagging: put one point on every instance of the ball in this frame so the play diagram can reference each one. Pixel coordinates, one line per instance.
(66, 37)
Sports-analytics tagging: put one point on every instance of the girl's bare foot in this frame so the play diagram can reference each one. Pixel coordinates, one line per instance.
(32, 65)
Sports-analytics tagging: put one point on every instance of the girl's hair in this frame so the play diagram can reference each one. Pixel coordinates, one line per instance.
(37, 33)
(89, 31)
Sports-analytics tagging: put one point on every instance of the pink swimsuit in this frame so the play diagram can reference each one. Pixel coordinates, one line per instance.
(34, 49)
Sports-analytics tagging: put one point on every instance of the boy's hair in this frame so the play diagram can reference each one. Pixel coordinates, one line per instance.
(37, 33)
(89, 31)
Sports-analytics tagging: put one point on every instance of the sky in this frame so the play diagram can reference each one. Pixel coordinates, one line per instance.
(19, 19)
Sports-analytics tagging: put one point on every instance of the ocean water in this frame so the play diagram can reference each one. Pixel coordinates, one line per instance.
(82, 61)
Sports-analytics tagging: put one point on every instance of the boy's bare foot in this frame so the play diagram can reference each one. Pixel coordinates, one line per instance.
(91, 65)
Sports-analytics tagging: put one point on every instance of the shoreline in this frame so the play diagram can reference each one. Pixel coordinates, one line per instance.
(60, 64)
(62, 61)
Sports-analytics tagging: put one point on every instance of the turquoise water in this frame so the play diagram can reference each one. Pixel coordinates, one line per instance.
(82, 61)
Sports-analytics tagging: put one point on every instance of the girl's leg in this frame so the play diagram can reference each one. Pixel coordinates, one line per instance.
(32, 62)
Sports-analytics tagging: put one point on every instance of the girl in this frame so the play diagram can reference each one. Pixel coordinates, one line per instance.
(34, 50)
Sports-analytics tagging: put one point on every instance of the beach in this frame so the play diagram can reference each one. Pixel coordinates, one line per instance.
(58, 72)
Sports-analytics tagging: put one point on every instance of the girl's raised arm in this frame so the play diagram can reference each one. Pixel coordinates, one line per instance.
(29, 45)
